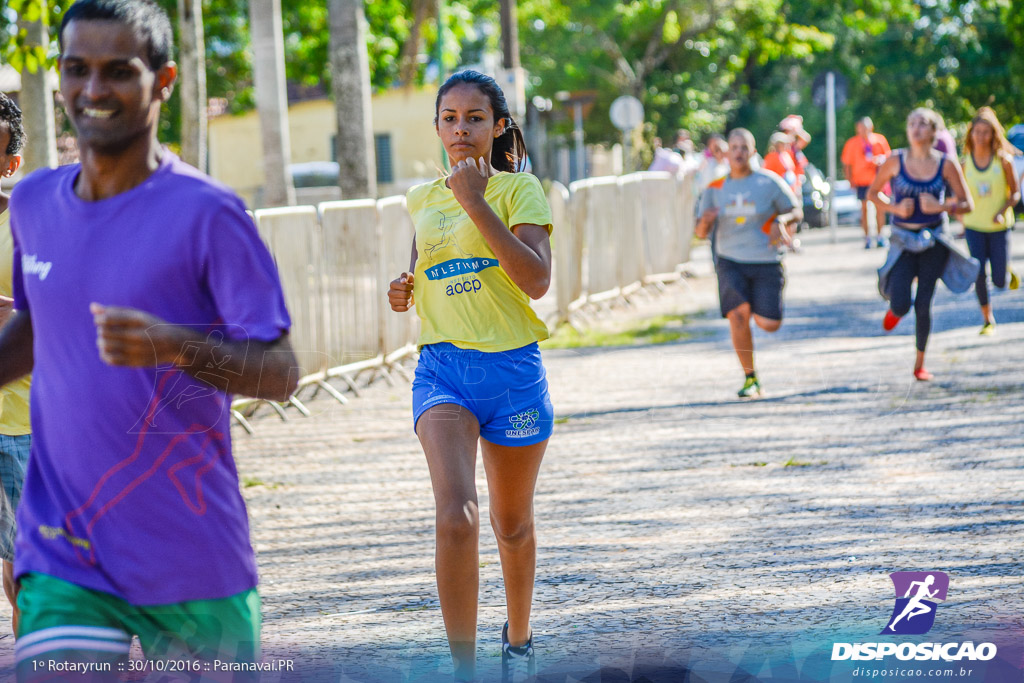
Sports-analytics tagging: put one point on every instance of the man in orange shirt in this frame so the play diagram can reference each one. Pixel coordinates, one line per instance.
(862, 155)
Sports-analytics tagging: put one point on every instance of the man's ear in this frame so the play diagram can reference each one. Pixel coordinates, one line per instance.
(13, 163)
(165, 78)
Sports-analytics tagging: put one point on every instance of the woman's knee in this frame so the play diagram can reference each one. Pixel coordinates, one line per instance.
(458, 522)
(767, 324)
(513, 530)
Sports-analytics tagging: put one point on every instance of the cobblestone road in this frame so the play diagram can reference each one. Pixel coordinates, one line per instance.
(678, 527)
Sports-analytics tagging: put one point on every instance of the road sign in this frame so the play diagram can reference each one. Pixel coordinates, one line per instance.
(820, 97)
(627, 113)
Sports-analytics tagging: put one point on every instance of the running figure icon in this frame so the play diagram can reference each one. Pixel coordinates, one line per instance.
(916, 607)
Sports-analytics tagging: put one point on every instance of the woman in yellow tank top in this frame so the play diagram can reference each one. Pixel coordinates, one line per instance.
(993, 185)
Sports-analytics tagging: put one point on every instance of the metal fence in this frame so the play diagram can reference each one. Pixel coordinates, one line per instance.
(612, 236)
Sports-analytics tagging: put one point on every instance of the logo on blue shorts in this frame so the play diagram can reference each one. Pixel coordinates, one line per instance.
(524, 424)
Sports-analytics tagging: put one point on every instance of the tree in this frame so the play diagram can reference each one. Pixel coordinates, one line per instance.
(27, 49)
(350, 85)
(272, 104)
(685, 62)
(192, 82)
(895, 55)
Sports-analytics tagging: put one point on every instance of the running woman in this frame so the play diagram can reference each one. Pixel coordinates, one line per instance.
(15, 429)
(919, 246)
(143, 298)
(480, 254)
(988, 170)
(750, 211)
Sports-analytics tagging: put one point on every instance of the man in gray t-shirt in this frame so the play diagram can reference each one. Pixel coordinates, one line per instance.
(749, 210)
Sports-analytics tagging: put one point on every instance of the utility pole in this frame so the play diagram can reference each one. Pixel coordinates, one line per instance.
(512, 77)
(830, 124)
(509, 35)
(439, 47)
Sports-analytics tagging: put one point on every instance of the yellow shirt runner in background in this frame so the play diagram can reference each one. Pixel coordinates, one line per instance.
(989, 189)
(14, 414)
(462, 294)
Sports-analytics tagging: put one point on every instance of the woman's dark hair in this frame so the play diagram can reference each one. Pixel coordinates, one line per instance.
(11, 115)
(509, 150)
(144, 16)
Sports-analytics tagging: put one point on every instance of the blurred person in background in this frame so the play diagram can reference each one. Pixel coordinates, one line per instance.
(992, 184)
(862, 155)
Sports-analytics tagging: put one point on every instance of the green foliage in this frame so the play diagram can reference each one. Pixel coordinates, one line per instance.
(659, 330)
(684, 61)
(703, 65)
(952, 55)
(14, 44)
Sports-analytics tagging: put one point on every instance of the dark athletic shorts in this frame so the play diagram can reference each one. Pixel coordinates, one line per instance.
(759, 284)
(862, 192)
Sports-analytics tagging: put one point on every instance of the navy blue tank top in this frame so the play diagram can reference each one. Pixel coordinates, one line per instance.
(904, 186)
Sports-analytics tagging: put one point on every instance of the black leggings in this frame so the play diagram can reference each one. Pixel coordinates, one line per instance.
(991, 247)
(927, 267)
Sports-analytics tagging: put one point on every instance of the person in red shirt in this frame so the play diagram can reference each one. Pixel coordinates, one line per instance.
(794, 126)
(862, 155)
(779, 160)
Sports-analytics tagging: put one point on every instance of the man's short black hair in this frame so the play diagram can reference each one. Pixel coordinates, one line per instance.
(11, 115)
(145, 16)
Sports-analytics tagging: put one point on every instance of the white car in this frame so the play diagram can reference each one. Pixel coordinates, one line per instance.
(846, 203)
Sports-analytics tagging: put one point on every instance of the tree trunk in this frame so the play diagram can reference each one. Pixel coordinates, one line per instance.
(509, 35)
(271, 100)
(192, 83)
(37, 104)
(350, 85)
(409, 65)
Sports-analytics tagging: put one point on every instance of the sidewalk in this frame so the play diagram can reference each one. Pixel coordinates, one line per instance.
(679, 528)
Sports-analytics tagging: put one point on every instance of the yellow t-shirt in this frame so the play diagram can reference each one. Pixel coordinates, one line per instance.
(989, 189)
(14, 415)
(462, 294)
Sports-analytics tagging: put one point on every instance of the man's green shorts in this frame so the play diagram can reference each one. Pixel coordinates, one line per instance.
(64, 628)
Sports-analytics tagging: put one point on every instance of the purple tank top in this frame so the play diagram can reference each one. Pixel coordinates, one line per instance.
(904, 186)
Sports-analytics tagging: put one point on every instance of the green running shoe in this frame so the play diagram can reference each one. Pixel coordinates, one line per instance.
(988, 329)
(1014, 280)
(751, 388)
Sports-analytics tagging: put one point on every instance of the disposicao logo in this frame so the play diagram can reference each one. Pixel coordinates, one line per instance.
(917, 596)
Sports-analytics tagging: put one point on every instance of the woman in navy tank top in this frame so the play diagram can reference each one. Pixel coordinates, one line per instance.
(919, 176)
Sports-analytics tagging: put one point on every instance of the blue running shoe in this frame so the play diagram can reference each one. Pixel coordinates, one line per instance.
(517, 662)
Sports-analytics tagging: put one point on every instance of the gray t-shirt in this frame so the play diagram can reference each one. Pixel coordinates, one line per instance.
(745, 208)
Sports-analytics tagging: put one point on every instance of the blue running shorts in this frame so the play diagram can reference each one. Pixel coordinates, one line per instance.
(507, 391)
